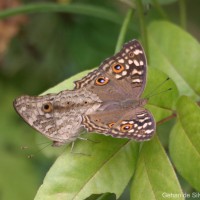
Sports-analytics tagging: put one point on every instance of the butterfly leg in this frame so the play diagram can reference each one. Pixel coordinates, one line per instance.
(77, 153)
(87, 139)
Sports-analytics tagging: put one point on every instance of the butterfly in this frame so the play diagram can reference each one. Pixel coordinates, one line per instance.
(119, 82)
(106, 101)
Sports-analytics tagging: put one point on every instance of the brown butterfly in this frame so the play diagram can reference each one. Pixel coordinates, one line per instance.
(105, 101)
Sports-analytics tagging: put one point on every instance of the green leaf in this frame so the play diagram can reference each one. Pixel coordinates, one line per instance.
(176, 53)
(67, 84)
(161, 105)
(155, 78)
(184, 141)
(154, 177)
(99, 173)
(82, 9)
(106, 166)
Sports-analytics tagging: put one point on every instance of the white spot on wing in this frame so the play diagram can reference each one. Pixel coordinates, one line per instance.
(135, 71)
(143, 136)
(149, 131)
(121, 61)
(137, 80)
(127, 67)
(118, 76)
(124, 73)
(137, 51)
(130, 62)
(145, 125)
(141, 115)
(136, 62)
(142, 120)
(141, 63)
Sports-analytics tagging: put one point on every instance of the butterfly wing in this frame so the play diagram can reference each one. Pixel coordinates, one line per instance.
(119, 83)
(57, 116)
(137, 124)
(120, 77)
(42, 114)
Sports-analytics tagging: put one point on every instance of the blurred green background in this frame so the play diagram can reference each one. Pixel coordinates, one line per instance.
(40, 50)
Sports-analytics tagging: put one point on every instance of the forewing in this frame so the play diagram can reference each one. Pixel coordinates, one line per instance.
(125, 74)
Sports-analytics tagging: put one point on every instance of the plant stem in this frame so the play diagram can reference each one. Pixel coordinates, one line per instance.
(142, 26)
(173, 115)
(159, 9)
(123, 30)
(182, 14)
(69, 8)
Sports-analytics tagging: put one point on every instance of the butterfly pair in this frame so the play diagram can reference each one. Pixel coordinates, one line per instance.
(105, 101)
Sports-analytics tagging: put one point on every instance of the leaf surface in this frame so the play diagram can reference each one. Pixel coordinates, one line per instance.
(185, 139)
(154, 178)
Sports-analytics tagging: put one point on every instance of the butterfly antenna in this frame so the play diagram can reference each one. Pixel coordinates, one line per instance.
(159, 93)
(42, 143)
(32, 155)
(153, 93)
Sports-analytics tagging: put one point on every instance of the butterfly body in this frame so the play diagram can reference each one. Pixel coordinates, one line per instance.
(107, 100)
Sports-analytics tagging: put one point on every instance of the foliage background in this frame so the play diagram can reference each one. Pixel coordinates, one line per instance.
(40, 50)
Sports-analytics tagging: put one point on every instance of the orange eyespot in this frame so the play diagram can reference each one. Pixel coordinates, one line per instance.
(131, 54)
(47, 107)
(117, 68)
(102, 80)
(126, 127)
(111, 124)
